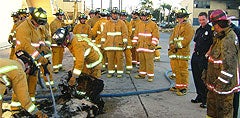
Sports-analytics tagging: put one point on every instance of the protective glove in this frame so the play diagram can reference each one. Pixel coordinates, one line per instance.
(72, 81)
(43, 60)
(45, 49)
(40, 114)
(10, 39)
(151, 46)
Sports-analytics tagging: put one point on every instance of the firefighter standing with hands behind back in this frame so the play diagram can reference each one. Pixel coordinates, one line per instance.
(114, 39)
(146, 37)
(12, 74)
(221, 76)
(179, 51)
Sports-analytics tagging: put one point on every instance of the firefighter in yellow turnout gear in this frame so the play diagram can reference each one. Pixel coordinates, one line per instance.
(47, 53)
(18, 18)
(29, 39)
(115, 37)
(127, 51)
(97, 33)
(135, 20)
(57, 51)
(146, 37)
(82, 28)
(88, 56)
(179, 51)
(12, 74)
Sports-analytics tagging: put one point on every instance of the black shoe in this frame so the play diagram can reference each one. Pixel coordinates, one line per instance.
(196, 101)
(203, 105)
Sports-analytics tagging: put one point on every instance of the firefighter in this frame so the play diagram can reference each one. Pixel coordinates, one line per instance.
(91, 13)
(87, 55)
(179, 51)
(28, 38)
(94, 19)
(12, 35)
(12, 74)
(135, 20)
(47, 53)
(236, 95)
(97, 34)
(157, 51)
(82, 28)
(127, 51)
(57, 51)
(114, 39)
(222, 73)
(146, 37)
(203, 41)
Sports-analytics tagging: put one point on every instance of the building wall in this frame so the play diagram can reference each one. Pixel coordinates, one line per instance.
(213, 5)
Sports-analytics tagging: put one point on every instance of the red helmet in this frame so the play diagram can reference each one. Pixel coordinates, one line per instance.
(217, 15)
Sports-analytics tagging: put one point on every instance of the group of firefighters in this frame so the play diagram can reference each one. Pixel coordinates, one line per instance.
(105, 42)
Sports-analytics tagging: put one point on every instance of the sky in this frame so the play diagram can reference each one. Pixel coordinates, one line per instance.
(130, 4)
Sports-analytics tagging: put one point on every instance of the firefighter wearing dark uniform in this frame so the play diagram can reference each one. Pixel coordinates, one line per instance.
(179, 52)
(97, 34)
(236, 29)
(28, 38)
(114, 37)
(57, 51)
(135, 20)
(12, 74)
(222, 75)
(87, 54)
(82, 28)
(146, 36)
(203, 41)
(127, 51)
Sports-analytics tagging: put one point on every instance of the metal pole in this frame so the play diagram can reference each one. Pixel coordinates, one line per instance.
(119, 6)
(92, 4)
(101, 4)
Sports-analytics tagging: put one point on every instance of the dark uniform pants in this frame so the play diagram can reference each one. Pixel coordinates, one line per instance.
(198, 63)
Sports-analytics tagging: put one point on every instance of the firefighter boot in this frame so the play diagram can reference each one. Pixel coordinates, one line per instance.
(119, 76)
(181, 92)
(139, 77)
(174, 89)
(55, 70)
(150, 79)
(109, 75)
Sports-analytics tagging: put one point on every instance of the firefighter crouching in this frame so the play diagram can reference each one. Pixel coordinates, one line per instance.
(179, 51)
(87, 55)
(57, 51)
(222, 72)
(28, 38)
(12, 74)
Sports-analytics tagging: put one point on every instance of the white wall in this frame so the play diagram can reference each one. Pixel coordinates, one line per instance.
(6, 23)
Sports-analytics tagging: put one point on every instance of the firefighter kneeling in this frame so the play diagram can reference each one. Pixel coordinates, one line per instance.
(13, 74)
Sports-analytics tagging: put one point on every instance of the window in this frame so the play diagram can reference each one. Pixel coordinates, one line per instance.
(195, 22)
(202, 4)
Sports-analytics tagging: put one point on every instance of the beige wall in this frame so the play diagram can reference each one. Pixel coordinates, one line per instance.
(213, 5)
